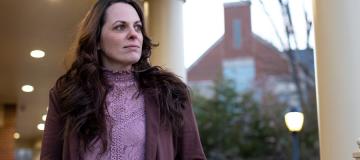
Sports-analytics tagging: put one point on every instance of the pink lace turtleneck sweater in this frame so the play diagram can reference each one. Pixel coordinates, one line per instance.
(125, 120)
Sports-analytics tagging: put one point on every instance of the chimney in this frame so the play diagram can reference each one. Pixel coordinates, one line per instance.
(238, 25)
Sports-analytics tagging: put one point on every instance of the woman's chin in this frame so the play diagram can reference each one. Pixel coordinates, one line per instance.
(131, 61)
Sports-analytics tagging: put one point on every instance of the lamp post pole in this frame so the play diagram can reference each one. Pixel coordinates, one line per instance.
(295, 146)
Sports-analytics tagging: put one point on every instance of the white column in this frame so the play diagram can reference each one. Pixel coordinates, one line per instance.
(166, 28)
(337, 33)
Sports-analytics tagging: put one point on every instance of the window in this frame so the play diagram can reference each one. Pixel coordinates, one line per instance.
(236, 33)
(241, 72)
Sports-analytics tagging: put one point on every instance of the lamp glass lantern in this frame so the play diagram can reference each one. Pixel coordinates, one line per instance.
(294, 120)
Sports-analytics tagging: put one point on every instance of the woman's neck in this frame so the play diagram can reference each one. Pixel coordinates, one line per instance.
(117, 67)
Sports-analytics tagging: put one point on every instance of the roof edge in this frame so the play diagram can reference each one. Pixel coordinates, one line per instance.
(206, 52)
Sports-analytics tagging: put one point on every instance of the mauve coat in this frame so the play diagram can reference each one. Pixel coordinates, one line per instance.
(159, 144)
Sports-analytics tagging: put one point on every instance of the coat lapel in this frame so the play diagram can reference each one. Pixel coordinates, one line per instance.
(152, 117)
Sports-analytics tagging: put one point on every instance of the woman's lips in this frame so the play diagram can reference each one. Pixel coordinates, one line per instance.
(131, 46)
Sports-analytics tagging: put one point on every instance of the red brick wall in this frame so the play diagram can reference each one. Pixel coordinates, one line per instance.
(7, 142)
(269, 61)
(209, 65)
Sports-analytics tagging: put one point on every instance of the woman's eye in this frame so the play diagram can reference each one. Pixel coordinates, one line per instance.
(120, 27)
(138, 28)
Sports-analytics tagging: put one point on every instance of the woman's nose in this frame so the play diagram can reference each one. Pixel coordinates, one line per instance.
(133, 34)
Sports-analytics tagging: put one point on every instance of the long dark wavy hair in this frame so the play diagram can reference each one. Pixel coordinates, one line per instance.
(81, 91)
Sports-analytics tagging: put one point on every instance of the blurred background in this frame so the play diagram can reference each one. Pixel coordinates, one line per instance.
(258, 67)
(250, 65)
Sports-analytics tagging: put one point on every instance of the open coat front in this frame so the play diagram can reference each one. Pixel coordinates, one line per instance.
(160, 144)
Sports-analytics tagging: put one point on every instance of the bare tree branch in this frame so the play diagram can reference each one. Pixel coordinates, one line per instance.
(289, 27)
(308, 26)
(290, 53)
(273, 25)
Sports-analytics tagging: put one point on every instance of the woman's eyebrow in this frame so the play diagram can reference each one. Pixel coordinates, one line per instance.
(138, 22)
(118, 21)
(122, 21)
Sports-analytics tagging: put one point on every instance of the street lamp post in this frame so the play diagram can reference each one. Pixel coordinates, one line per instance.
(294, 120)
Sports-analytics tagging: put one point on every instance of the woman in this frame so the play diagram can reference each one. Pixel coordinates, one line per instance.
(111, 103)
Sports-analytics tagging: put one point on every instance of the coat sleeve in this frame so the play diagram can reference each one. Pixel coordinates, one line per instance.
(52, 143)
(190, 144)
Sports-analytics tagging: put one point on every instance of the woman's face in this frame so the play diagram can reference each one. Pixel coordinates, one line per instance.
(121, 38)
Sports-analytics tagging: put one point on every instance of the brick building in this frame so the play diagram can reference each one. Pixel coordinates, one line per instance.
(240, 55)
